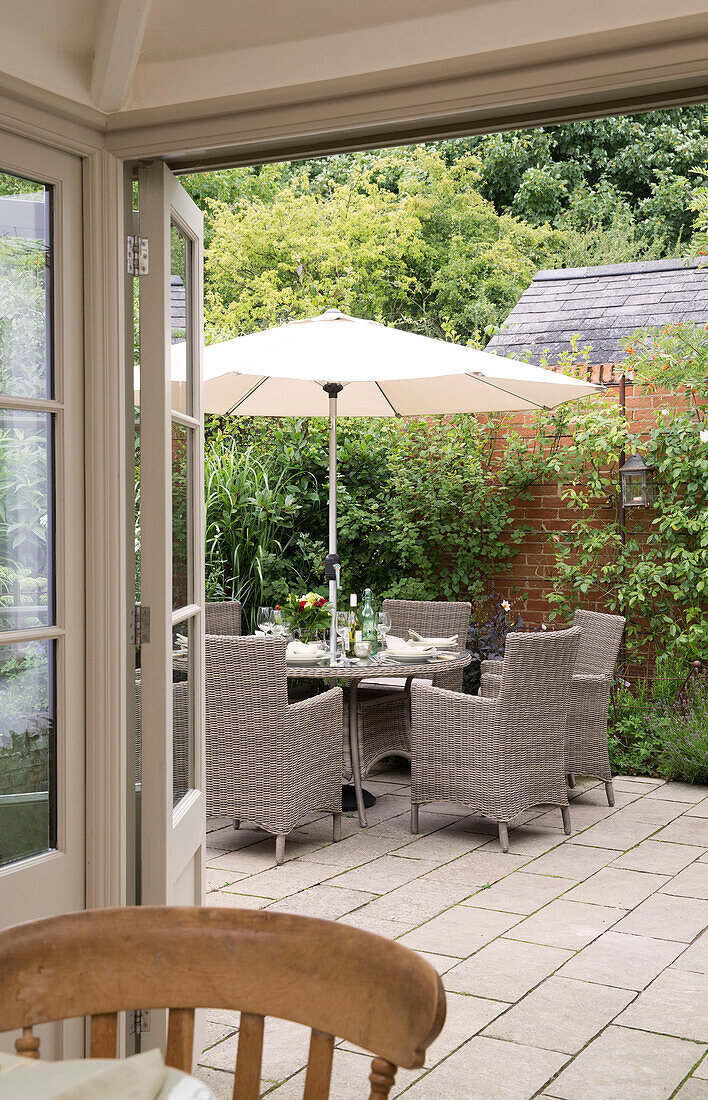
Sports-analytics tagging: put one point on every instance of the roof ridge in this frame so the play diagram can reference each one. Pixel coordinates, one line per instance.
(640, 267)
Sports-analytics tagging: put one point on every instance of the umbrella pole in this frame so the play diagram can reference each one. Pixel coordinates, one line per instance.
(332, 564)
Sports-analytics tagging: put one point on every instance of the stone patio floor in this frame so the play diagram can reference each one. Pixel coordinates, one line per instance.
(574, 967)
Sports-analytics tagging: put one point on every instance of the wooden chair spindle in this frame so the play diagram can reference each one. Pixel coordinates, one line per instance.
(28, 1045)
(382, 1077)
(319, 1066)
(104, 1035)
(247, 1080)
(180, 1039)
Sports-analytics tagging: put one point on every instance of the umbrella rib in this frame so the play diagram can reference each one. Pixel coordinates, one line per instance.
(386, 398)
(502, 389)
(247, 395)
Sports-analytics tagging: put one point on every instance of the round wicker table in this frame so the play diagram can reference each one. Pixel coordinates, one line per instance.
(351, 676)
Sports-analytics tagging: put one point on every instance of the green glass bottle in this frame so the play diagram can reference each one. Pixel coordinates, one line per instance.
(354, 626)
(368, 620)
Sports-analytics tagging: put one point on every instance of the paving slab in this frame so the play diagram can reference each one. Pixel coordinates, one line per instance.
(353, 851)
(444, 845)
(569, 924)
(618, 888)
(616, 832)
(658, 858)
(248, 861)
(488, 1069)
(692, 882)
(217, 880)
(686, 830)
(676, 1003)
(221, 1083)
(228, 899)
(418, 901)
(383, 874)
(695, 957)
(459, 931)
(560, 1014)
(694, 1089)
(390, 929)
(699, 810)
(628, 962)
(505, 969)
(622, 1064)
(281, 882)
(323, 901)
(519, 893)
(667, 917)
(479, 868)
(680, 792)
(654, 811)
(572, 861)
(350, 1078)
(528, 840)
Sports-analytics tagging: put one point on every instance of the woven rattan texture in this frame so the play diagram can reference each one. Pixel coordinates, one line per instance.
(267, 761)
(498, 756)
(586, 750)
(223, 618)
(181, 739)
(384, 726)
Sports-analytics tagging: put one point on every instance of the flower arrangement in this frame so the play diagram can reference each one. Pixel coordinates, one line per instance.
(309, 615)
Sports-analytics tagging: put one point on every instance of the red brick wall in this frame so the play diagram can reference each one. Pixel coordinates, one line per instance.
(525, 582)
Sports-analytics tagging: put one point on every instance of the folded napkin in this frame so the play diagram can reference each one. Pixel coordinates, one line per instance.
(416, 637)
(305, 649)
(138, 1078)
(402, 647)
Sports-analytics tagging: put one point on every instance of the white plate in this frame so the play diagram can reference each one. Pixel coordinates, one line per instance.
(439, 643)
(307, 660)
(411, 658)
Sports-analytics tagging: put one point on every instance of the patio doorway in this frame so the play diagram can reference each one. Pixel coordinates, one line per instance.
(42, 711)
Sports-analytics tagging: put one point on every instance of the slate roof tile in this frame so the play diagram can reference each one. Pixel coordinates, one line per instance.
(602, 305)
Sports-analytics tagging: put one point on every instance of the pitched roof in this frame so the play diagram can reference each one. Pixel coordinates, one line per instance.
(601, 305)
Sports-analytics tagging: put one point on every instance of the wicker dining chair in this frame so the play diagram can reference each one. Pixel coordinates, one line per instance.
(223, 617)
(498, 756)
(586, 751)
(267, 761)
(341, 982)
(383, 718)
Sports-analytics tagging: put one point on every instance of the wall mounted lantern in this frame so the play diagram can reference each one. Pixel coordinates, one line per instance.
(637, 483)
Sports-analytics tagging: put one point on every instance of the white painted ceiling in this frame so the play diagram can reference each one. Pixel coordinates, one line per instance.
(120, 65)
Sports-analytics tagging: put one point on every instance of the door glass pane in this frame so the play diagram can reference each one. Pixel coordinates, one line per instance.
(182, 710)
(25, 288)
(26, 521)
(180, 246)
(27, 750)
(182, 588)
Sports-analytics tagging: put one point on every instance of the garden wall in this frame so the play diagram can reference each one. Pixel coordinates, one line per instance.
(526, 581)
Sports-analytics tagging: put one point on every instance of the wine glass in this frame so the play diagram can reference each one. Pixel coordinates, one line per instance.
(383, 625)
(265, 620)
(281, 627)
(343, 632)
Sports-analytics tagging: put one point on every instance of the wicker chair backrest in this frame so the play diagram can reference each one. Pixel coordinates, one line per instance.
(431, 618)
(223, 618)
(535, 681)
(600, 643)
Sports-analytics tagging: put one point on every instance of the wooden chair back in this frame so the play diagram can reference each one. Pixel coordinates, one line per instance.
(339, 981)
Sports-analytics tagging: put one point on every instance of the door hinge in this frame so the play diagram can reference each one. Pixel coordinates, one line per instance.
(139, 629)
(138, 1021)
(137, 255)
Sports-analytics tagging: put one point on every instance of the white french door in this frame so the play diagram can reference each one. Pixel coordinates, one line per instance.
(42, 699)
(173, 819)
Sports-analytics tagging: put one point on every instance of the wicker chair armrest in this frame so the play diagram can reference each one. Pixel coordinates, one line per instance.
(584, 688)
(319, 715)
(494, 668)
(440, 703)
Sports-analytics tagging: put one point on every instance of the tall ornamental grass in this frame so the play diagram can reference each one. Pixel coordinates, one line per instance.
(250, 518)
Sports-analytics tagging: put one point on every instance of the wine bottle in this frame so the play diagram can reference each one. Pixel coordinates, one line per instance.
(368, 621)
(354, 626)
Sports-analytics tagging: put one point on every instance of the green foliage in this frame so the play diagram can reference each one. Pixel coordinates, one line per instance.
(425, 509)
(250, 511)
(404, 239)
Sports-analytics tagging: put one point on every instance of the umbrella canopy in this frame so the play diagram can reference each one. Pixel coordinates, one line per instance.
(383, 371)
(334, 365)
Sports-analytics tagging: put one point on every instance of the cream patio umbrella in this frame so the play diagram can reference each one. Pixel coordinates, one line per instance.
(335, 365)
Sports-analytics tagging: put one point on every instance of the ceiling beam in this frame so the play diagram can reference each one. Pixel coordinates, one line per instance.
(120, 37)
